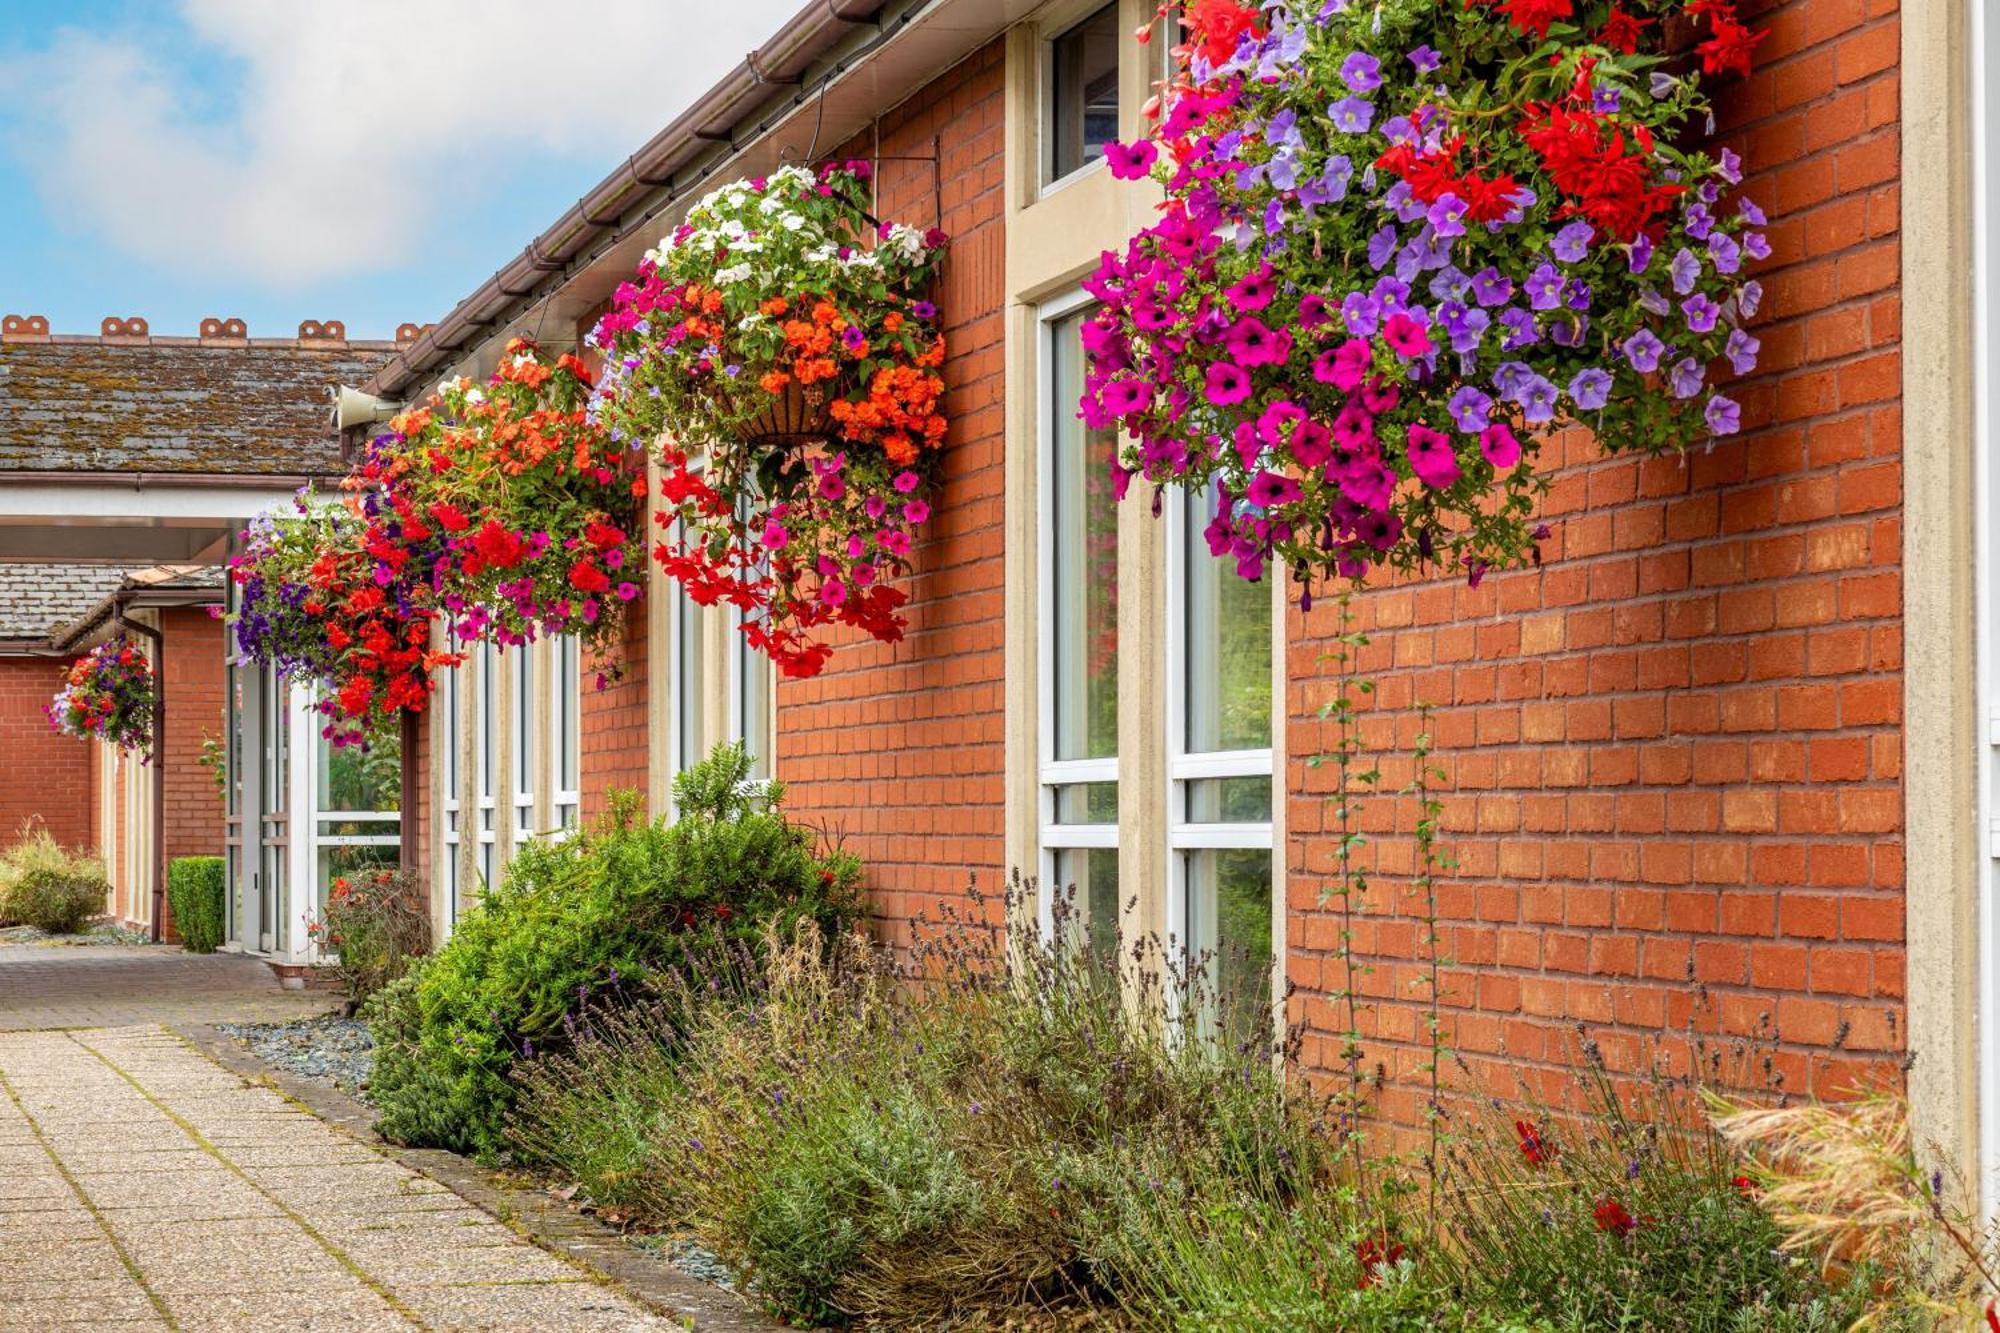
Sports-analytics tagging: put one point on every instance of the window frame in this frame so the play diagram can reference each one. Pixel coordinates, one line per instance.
(1064, 22)
(1184, 836)
(1052, 837)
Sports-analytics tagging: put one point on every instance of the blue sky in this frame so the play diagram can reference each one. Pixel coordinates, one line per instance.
(370, 161)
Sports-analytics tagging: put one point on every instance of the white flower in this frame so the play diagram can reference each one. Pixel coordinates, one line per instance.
(735, 273)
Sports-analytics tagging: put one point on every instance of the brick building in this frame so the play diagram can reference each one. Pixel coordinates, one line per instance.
(127, 460)
(1726, 737)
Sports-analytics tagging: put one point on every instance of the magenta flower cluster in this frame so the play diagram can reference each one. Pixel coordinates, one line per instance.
(1402, 245)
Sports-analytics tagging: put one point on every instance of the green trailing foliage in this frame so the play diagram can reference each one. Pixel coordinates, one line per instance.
(195, 888)
(583, 922)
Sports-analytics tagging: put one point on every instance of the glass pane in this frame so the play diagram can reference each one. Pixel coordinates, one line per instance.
(1083, 560)
(569, 702)
(368, 776)
(451, 733)
(1087, 895)
(754, 700)
(1083, 85)
(489, 694)
(347, 862)
(690, 682)
(1228, 645)
(1229, 800)
(1229, 932)
(524, 721)
(1087, 803)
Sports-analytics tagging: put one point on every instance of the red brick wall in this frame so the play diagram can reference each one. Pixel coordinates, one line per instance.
(1673, 753)
(898, 748)
(44, 774)
(195, 704)
(611, 750)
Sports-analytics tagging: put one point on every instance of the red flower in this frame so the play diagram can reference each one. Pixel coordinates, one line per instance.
(585, 576)
(1744, 1186)
(498, 545)
(1533, 1147)
(1992, 1319)
(1371, 1253)
(449, 517)
(1622, 31)
(1219, 25)
(1612, 1217)
(1534, 16)
(1729, 46)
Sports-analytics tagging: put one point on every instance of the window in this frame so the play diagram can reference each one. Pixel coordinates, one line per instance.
(750, 700)
(691, 742)
(1081, 113)
(1220, 765)
(1079, 646)
(526, 742)
(565, 716)
(485, 755)
(453, 738)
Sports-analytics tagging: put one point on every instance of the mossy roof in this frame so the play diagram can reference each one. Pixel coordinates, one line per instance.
(179, 405)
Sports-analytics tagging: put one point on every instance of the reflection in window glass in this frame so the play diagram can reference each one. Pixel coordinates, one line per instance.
(1087, 889)
(753, 694)
(1228, 646)
(1087, 803)
(1083, 92)
(691, 679)
(1229, 931)
(566, 708)
(1083, 558)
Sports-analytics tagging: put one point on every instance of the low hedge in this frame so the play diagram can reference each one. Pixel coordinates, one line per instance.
(194, 891)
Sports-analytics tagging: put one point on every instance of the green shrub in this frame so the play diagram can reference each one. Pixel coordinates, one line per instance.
(376, 925)
(588, 919)
(195, 887)
(60, 902)
(35, 849)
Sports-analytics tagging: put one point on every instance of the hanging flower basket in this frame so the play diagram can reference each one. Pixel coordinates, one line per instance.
(324, 598)
(781, 345)
(796, 416)
(108, 695)
(1402, 243)
(526, 513)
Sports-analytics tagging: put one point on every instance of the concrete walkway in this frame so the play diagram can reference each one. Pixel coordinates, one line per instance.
(73, 986)
(142, 1185)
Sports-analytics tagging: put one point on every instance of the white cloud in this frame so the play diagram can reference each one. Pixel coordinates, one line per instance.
(350, 130)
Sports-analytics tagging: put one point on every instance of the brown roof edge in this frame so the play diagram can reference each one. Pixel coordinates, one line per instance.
(810, 34)
(66, 640)
(141, 480)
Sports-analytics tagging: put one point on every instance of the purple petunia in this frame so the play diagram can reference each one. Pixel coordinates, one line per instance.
(1362, 312)
(1685, 271)
(1590, 389)
(1724, 252)
(1538, 400)
(1723, 416)
(1741, 349)
(1686, 378)
(1361, 72)
(1490, 287)
(1701, 313)
(1382, 246)
(1643, 351)
(1520, 326)
(1425, 59)
(1470, 409)
(1640, 254)
(1572, 243)
(1749, 296)
(1545, 287)
(1352, 115)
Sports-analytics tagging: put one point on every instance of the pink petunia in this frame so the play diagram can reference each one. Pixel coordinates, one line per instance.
(1407, 336)
(1431, 456)
(1497, 442)
(1345, 366)
(1227, 384)
(1270, 489)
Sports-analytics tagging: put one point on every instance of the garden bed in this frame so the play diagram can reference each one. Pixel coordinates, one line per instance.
(99, 935)
(329, 1048)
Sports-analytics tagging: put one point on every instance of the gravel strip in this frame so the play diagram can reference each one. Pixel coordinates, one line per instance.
(337, 1051)
(90, 935)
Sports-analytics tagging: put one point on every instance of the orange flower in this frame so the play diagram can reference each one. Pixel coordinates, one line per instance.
(773, 381)
(775, 305)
